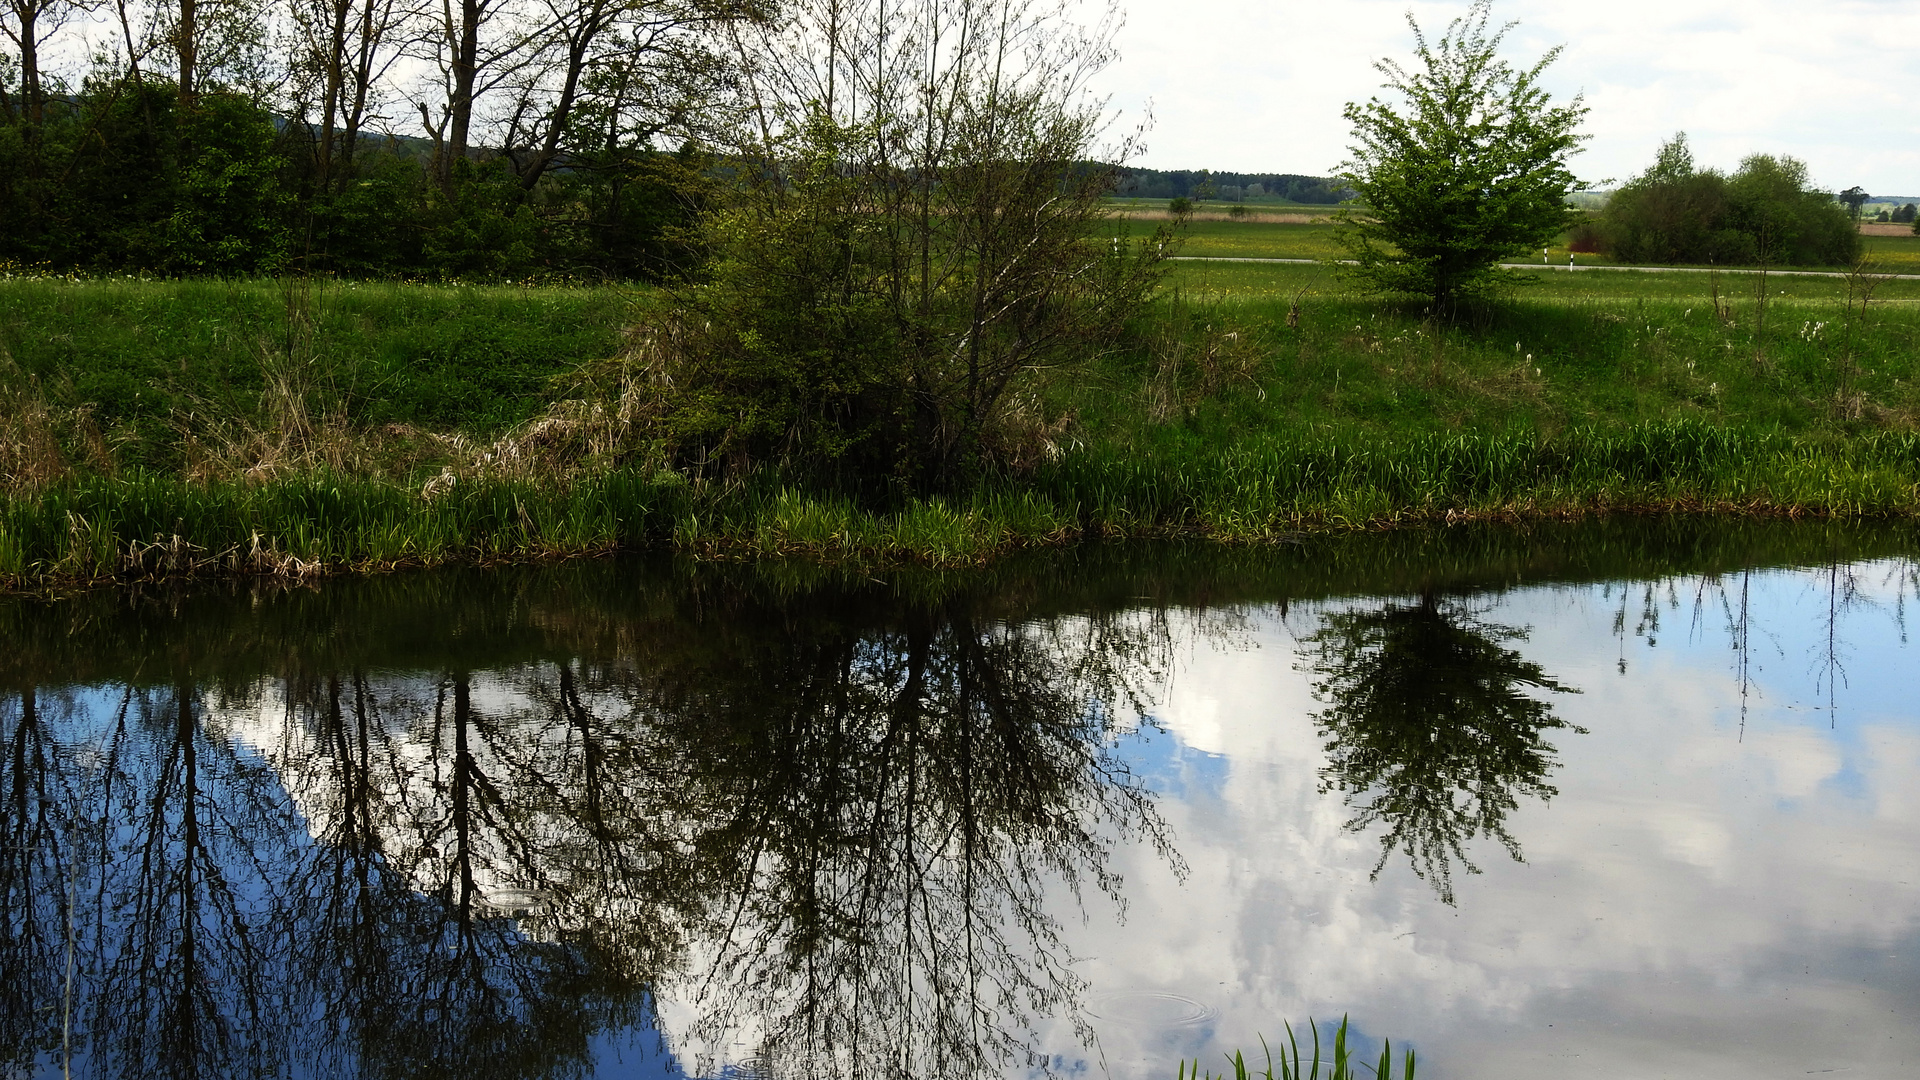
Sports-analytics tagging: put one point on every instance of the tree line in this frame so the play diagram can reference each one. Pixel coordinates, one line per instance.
(369, 137)
(1141, 183)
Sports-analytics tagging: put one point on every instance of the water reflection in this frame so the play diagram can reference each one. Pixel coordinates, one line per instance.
(1429, 729)
(772, 820)
(831, 831)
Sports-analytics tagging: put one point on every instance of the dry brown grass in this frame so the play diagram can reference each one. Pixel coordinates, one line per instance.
(1022, 434)
(39, 443)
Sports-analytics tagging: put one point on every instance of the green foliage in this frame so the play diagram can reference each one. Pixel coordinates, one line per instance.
(231, 214)
(121, 177)
(1765, 213)
(1474, 170)
(369, 223)
(480, 228)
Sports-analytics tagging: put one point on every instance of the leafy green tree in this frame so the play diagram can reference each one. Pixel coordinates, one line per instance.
(1470, 170)
(231, 213)
(1772, 200)
(1673, 212)
(1854, 197)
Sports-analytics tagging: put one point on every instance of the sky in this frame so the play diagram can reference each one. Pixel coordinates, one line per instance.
(1259, 86)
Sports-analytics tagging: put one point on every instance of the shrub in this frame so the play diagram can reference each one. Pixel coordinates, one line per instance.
(888, 268)
(1766, 212)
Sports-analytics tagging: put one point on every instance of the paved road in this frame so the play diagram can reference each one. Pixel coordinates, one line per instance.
(1538, 266)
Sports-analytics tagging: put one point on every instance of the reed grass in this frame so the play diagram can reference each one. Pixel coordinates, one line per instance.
(1340, 1063)
(148, 525)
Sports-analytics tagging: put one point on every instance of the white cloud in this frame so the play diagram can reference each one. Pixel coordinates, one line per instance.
(1698, 896)
(1259, 87)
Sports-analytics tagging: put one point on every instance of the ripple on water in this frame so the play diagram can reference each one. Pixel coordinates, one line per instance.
(1149, 1008)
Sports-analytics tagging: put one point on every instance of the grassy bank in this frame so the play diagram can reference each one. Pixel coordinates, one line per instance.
(154, 428)
(147, 526)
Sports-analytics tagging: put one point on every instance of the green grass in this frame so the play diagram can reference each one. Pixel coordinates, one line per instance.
(149, 358)
(1232, 416)
(1263, 205)
(1595, 349)
(1895, 254)
(1277, 281)
(1254, 239)
(1262, 239)
(143, 527)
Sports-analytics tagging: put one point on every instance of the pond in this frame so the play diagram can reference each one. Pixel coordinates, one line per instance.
(1638, 797)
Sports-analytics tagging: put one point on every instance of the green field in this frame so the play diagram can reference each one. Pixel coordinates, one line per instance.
(149, 362)
(1253, 239)
(1252, 280)
(1252, 207)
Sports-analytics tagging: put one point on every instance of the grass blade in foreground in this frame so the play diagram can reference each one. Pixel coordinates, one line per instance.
(1293, 1067)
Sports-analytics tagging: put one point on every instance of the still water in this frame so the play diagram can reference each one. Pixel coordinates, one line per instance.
(1625, 800)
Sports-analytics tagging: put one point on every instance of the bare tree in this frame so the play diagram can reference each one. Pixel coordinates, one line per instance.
(475, 46)
(347, 48)
(919, 216)
(33, 23)
(654, 61)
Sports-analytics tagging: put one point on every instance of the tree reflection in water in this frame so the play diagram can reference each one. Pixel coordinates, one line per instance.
(36, 868)
(827, 828)
(1429, 729)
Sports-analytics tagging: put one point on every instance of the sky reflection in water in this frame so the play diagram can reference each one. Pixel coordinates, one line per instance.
(1706, 895)
(647, 820)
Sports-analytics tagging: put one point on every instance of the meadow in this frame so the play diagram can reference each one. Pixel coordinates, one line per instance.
(150, 428)
(1261, 236)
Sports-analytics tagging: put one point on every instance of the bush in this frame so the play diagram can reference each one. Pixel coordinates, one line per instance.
(889, 270)
(122, 177)
(1766, 212)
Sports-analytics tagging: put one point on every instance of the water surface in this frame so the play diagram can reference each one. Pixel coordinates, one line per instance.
(1640, 798)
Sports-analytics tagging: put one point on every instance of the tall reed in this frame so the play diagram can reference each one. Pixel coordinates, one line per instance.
(143, 525)
(1341, 1065)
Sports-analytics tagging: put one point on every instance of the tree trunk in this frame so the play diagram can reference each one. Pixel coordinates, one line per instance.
(465, 67)
(185, 39)
(32, 103)
(335, 91)
(362, 80)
